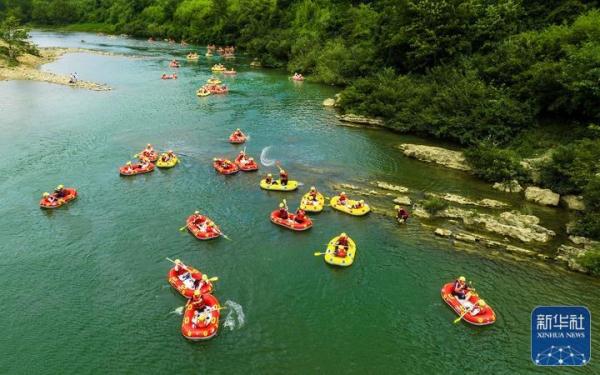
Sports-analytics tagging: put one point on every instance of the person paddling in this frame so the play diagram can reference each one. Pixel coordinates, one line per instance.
(342, 241)
(269, 179)
(128, 167)
(145, 163)
(401, 214)
(198, 220)
(460, 289)
(313, 193)
(60, 191)
(148, 150)
(283, 213)
(359, 204)
(49, 197)
(283, 176)
(300, 216)
(340, 252)
(238, 133)
(343, 199)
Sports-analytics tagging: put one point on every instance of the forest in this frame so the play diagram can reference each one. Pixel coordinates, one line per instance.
(505, 79)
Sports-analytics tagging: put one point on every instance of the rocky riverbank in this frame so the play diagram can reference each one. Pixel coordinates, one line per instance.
(28, 69)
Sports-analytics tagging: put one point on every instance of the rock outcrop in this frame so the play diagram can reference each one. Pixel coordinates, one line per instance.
(570, 255)
(508, 186)
(454, 198)
(386, 186)
(437, 155)
(542, 196)
(403, 200)
(443, 232)
(573, 202)
(329, 102)
(357, 119)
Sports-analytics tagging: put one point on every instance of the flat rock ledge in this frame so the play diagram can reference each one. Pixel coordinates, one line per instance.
(541, 196)
(437, 155)
(454, 198)
(357, 119)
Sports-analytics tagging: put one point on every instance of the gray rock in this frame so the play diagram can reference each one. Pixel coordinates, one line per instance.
(573, 202)
(542, 196)
(403, 200)
(387, 186)
(437, 155)
(508, 186)
(357, 119)
(329, 102)
(443, 232)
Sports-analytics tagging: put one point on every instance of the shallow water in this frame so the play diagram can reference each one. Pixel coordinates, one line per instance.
(84, 287)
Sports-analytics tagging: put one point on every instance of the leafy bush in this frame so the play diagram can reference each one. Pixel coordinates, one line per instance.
(591, 260)
(494, 164)
(434, 205)
(572, 166)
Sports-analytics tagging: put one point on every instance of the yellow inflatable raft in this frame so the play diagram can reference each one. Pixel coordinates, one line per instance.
(348, 207)
(276, 185)
(167, 164)
(213, 81)
(308, 205)
(202, 93)
(337, 261)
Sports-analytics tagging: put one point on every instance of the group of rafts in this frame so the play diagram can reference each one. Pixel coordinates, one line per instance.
(213, 84)
(201, 316)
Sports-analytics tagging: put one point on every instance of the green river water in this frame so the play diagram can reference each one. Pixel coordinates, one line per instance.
(84, 288)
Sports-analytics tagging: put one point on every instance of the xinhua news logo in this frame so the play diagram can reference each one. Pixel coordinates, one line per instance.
(561, 336)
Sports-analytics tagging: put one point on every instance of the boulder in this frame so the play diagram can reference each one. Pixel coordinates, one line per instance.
(386, 186)
(508, 186)
(541, 196)
(403, 200)
(573, 202)
(329, 102)
(419, 211)
(489, 203)
(443, 232)
(357, 119)
(437, 155)
(577, 240)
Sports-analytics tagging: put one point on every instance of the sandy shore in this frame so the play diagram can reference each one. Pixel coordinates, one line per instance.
(29, 69)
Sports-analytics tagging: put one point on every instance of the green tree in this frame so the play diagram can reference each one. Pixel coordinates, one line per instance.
(15, 38)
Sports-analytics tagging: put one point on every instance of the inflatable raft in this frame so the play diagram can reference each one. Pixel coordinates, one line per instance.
(308, 205)
(276, 185)
(167, 164)
(135, 169)
(213, 81)
(479, 316)
(152, 156)
(202, 93)
(217, 68)
(248, 167)
(185, 280)
(237, 139)
(202, 234)
(71, 194)
(231, 169)
(230, 72)
(346, 261)
(348, 207)
(290, 222)
(201, 323)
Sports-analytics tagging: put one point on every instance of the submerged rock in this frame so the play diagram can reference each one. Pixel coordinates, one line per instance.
(542, 196)
(357, 119)
(573, 202)
(570, 255)
(437, 155)
(386, 186)
(508, 186)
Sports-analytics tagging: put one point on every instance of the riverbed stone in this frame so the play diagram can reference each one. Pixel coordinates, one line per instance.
(573, 202)
(520, 250)
(358, 119)
(542, 196)
(443, 232)
(455, 198)
(387, 186)
(329, 102)
(403, 200)
(438, 155)
(464, 237)
(508, 186)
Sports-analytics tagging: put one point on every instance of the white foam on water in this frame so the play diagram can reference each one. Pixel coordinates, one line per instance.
(178, 311)
(264, 160)
(235, 311)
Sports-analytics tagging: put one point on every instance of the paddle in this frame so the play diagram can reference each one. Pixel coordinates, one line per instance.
(215, 278)
(463, 314)
(317, 254)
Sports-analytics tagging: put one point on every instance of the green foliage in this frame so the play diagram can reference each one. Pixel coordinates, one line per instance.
(591, 260)
(572, 166)
(434, 205)
(493, 164)
(14, 36)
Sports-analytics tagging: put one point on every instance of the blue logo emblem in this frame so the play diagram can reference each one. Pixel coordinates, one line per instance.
(561, 336)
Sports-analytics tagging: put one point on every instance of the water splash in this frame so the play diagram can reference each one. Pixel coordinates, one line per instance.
(264, 160)
(235, 311)
(178, 311)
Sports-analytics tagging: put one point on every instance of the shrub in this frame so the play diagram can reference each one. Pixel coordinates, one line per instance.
(434, 205)
(494, 164)
(591, 260)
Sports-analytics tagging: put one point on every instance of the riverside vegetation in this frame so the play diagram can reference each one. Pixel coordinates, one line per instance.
(507, 80)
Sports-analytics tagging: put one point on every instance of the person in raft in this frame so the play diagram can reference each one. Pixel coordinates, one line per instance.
(145, 163)
(244, 159)
(313, 194)
(401, 214)
(359, 204)
(283, 213)
(238, 133)
(198, 220)
(197, 299)
(460, 290)
(198, 284)
(283, 177)
(168, 156)
(340, 252)
(49, 197)
(128, 167)
(269, 179)
(148, 150)
(342, 241)
(300, 216)
(342, 199)
(60, 191)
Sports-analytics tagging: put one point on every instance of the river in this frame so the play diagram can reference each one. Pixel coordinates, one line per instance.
(85, 288)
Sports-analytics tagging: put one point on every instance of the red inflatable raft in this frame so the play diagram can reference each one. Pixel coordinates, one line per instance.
(71, 194)
(237, 139)
(479, 316)
(151, 156)
(201, 323)
(230, 169)
(135, 169)
(291, 222)
(186, 278)
(249, 166)
(200, 234)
